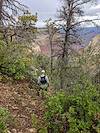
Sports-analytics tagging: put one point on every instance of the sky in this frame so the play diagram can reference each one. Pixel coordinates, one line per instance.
(48, 9)
(44, 8)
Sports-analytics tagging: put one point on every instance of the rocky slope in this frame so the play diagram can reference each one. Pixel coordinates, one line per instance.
(92, 56)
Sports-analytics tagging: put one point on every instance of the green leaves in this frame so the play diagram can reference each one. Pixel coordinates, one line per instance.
(4, 118)
(78, 109)
(14, 60)
(28, 18)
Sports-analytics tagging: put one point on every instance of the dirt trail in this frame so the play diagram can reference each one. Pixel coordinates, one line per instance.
(22, 103)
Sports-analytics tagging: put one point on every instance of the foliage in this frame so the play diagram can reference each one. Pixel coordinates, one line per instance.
(23, 31)
(75, 112)
(72, 74)
(41, 62)
(28, 21)
(4, 118)
(14, 60)
(16, 49)
(34, 120)
(38, 124)
(28, 18)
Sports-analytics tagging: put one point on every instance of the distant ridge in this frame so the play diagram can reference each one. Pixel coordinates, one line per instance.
(87, 33)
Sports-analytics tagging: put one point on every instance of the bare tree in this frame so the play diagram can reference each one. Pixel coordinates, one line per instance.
(8, 10)
(16, 21)
(69, 23)
(25, 28)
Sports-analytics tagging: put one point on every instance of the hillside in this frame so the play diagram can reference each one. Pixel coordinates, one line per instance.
(27, 109)
(87, 33)
(92, 55)
(22, 103)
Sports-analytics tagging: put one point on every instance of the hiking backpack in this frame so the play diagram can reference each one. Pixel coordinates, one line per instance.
(43, 80)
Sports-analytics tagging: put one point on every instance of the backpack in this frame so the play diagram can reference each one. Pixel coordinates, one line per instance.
(43, 80)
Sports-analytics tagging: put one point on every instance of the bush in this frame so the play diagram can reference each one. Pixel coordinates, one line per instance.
(78, 112)
(4, 119)
(14, 60)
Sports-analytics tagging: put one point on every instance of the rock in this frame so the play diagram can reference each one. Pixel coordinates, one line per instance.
(33, 103)
(32, 130)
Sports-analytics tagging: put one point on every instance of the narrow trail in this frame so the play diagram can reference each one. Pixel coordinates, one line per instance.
(22, 103)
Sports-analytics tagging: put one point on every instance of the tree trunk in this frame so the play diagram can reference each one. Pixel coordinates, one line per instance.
(51, 59)
(64, 62)
(51, 54)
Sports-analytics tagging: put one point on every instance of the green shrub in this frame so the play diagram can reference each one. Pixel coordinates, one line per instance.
(14, 60)
(74, 113)
(4, 119)
(38, 124)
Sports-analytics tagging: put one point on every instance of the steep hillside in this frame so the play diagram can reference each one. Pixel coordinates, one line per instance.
(22, 103)
(92, 56)
(94, 45)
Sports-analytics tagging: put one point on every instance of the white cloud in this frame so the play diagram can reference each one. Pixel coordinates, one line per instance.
(90, 24)
(95, 7)
(40, 24)
(48, 8)
(93, 10)
(44, 8)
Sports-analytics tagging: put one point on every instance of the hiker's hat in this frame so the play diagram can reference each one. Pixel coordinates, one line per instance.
(43, 71)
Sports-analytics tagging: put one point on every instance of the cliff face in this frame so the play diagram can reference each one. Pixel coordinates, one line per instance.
(92, 57)
(94, 46)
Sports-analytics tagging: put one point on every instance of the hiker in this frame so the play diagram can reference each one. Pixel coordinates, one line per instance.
(43, 81)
